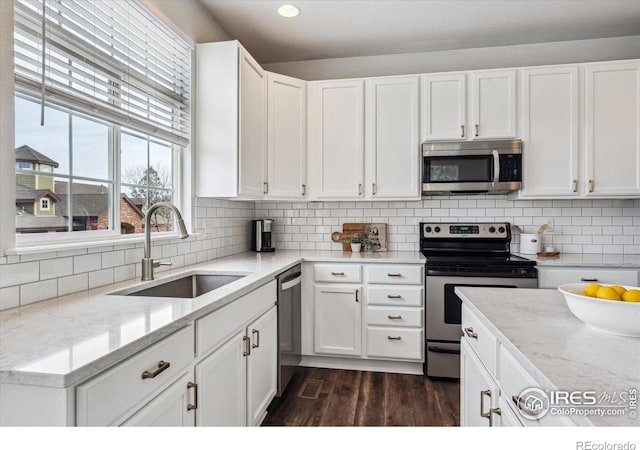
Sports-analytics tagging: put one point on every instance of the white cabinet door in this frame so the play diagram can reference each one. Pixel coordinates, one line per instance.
(286, 136)
(444, 106)
(478, 390)
(493, 96)
(262, 366)
(508, 418)
(612, 129)
(392, 138)
(169, 409)
(336, 138)
(221, 379)
(252, 127)
(550, 130)
(338, 319)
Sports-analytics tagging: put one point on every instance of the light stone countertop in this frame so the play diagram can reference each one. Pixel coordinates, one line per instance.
(66, 340)
(587, 260)
(557, 349)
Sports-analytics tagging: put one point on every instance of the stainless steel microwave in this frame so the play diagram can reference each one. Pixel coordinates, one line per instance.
(471, 167)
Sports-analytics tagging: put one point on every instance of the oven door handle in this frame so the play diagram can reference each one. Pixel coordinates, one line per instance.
(496, 167)
(450, 351)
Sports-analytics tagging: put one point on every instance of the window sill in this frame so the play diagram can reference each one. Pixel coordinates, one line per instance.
(109, 242)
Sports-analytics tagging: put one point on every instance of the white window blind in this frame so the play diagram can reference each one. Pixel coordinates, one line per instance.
(110, 59)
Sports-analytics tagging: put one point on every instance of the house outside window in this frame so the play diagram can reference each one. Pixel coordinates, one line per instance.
(116, 118)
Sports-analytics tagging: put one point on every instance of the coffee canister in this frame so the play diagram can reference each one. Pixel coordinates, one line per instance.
(530, 244)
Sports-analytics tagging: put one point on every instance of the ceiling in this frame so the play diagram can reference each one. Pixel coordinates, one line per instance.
(334, 29)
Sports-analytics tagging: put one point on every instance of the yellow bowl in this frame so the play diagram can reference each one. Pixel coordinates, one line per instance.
(611, 316)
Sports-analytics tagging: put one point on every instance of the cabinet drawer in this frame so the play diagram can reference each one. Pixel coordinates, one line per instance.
(395, 274)
(394, 343)
(551, 278)
(395, 295)
(480, 339)
(395, 317)
(338, 273)
(110, 397)
(514, 379)
(213, 329)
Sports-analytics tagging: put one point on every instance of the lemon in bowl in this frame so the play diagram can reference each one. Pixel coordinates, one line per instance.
(607, 309)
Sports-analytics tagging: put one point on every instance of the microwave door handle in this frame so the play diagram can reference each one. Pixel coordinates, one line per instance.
(496, 167)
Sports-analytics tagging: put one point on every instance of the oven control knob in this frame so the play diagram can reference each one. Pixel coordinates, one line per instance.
(437, 229)
(492, 229)
(502, 229)
(427, 229)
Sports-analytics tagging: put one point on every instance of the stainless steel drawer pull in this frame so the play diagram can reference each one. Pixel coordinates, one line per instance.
(487, 414)
(162, 366)
(589, 279)
(492, 411)
(461, 130)
(394, 296)
(247, 345)
(395, 317)
(477, 129)
(471, 333)
(394, 274)
(337, 273)
(394, 338)
(357, 299)
(257, 333)
(193, 405)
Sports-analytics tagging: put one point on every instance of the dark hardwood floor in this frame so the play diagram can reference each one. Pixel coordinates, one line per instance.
(354, 398)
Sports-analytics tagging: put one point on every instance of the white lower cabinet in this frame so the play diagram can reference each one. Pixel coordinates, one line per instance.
(172, 408)
(222, 384)
(364, 316)
(237, 381)
(338, 319)
(219, 371)
(552, 277)
(478, 390)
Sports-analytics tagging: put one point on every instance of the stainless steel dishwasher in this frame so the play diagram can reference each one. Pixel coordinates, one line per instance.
(289, 318)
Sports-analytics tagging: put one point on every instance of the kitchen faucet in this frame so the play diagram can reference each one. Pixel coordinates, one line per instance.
(148, 264)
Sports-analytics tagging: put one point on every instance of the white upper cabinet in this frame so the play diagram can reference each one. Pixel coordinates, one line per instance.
(336, 139)
(392, 138)
(612, 129)
(286, 148)
(550, 115)
(230, 122)
(493, 104)
(444, 106)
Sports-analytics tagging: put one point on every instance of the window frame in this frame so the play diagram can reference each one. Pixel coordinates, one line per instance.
(115, 234)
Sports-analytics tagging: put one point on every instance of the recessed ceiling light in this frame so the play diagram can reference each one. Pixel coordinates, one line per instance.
(288, 11)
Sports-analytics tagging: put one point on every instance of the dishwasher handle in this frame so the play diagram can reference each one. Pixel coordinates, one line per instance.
(291, 282)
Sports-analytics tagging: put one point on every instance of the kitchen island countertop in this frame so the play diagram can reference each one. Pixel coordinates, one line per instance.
(557, 349)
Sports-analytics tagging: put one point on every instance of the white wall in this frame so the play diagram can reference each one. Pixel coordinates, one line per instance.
(189, 18)
(468, 59)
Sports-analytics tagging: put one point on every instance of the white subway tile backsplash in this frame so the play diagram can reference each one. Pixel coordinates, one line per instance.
(34, 292)
(15, 274)
(74, 283)
(9, 297)
(87, 263)
(56, 268)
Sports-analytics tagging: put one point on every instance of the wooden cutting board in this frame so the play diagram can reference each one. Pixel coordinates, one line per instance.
(348, 230)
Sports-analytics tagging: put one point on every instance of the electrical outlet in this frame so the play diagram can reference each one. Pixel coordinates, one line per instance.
(550, 224)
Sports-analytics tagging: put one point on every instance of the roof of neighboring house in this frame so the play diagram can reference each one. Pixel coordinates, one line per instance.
(28, 154)
(27, 195)
(26, 220)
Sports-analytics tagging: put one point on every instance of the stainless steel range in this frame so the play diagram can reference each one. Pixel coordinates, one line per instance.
(463, 254)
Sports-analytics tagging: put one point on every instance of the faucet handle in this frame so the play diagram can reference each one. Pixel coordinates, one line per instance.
(162, 263)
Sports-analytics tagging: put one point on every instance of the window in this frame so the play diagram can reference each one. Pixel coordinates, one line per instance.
(115, 97)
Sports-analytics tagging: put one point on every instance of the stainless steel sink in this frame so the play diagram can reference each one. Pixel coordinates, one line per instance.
(188, 286)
